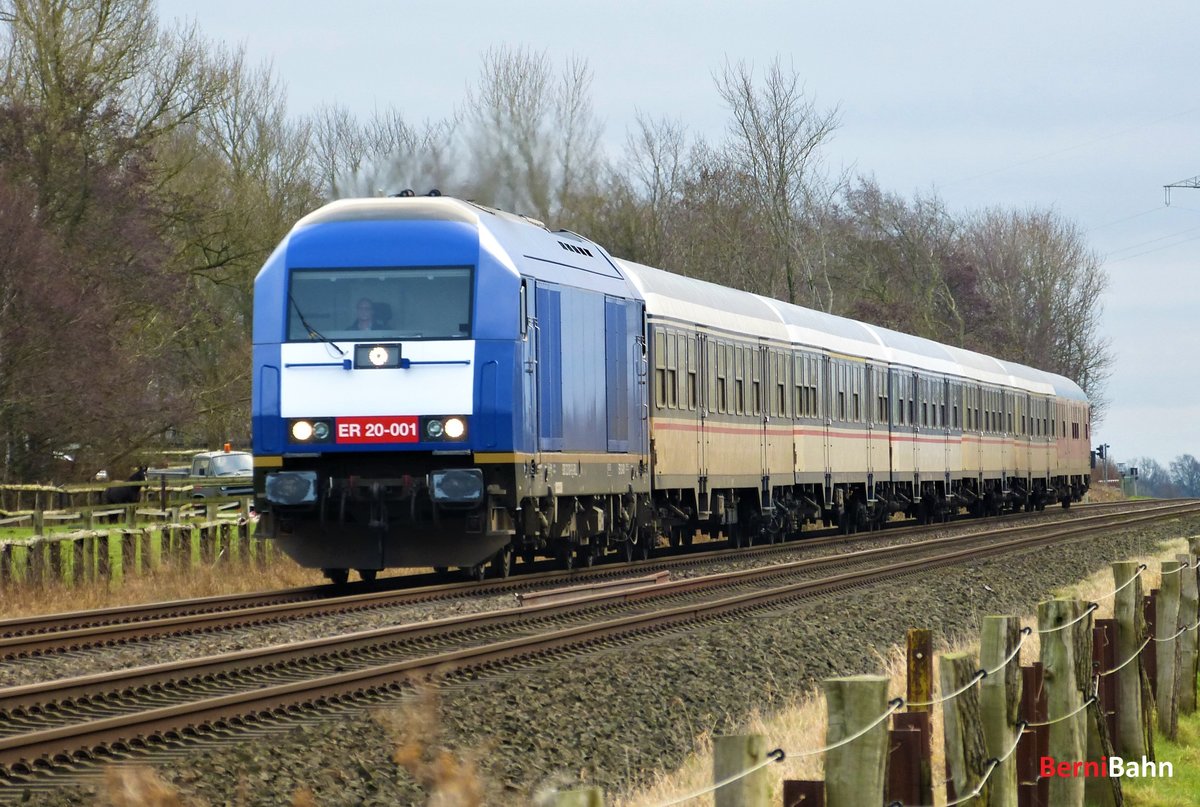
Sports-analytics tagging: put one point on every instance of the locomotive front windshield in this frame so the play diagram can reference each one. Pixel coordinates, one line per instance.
(401, 303)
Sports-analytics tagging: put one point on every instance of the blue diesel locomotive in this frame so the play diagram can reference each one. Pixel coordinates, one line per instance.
(437, 383)
(500, 375)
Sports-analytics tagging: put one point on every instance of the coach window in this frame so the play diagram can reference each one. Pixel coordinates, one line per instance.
(816, 381)
(798, 385)
(781, 385)
(755, 358)
(722, 388)
(712, 350)
(860, 377)
(739, 380)
(660, 369)
(693, 372)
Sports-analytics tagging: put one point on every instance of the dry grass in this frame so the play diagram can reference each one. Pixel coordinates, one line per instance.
(801, 726)
(168, 582)
(449, 779)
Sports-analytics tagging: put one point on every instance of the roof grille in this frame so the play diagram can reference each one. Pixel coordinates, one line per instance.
(573, 248)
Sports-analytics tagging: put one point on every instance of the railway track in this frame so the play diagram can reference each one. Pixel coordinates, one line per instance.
(69, 632)
(57, 724)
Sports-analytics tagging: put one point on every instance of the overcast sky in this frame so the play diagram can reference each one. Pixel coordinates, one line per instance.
(1088, 108)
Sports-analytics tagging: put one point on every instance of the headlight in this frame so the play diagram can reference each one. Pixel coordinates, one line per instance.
(458, 486)
(310, 431)
(455, 428)
(292, 487)
(433, 428)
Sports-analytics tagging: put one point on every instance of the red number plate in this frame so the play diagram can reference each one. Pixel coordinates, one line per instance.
(376, 429)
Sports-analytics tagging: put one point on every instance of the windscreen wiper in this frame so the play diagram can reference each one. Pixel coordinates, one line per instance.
(313, 333)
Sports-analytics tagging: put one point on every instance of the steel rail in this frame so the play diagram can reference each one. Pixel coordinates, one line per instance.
(22, 753)
(429, 584)
(211, 621)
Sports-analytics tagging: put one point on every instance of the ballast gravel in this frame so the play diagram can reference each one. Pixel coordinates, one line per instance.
(161, 650)
(612, 717)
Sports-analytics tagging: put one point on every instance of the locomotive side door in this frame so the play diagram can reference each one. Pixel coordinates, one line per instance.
(529, 366)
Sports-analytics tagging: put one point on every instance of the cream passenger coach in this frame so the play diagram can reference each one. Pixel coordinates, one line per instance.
(782, 413)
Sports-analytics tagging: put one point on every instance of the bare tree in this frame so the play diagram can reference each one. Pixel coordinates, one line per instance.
(775, 139)
(1045, 288)
(893, 260)
(532, 138)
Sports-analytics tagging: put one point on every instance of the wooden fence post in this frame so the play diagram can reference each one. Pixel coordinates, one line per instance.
(580, 797)
(731, 756)
(966, 748)
(1132, 725)
(920, 668)
(35, 561)
(5, 564)
(39, 522)
(1166, 623)
(130, 556)
(1067, 741)
(1032, 788)
(54, 562)
(1189, 606)
(909, 768)
(999, 701)
(1150, 654)
(103, 556)
(803, 793)
(1101, 791)
(1104, 658)
(79, 569)
(854, 773)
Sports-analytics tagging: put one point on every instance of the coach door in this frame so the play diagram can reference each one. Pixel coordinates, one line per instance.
(828, 381)
(760, 381)
(705, 388)
(916, 397)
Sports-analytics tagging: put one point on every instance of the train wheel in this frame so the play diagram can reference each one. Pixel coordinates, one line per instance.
(478, 572)
(337, 576)
(368, 575)
(502, 563)
(566, 558)
(645, 542)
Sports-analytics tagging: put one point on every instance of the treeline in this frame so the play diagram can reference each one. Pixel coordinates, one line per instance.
(1179, 479)
(146, 173)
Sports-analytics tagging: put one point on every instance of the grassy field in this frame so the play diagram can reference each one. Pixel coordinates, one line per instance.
(1182, 789)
